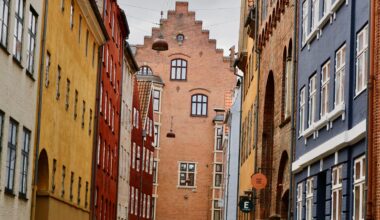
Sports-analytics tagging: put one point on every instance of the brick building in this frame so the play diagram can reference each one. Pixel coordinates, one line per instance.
(141, 162)
(196, 77)
(330, 161)
(106, 159)
(373, 193)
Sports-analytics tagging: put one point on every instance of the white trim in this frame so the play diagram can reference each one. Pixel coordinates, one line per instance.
(339, 141)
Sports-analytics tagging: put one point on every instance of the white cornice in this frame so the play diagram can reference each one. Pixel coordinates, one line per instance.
(92, 21)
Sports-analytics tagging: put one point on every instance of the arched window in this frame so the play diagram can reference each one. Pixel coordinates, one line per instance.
(199, 105)
(178, 69)
(145, 70)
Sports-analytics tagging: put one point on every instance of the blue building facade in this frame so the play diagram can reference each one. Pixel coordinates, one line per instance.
(329, 166)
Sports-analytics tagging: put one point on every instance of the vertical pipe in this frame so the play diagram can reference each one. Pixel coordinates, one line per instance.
(370, 163)
(39, 110)
(293, 107)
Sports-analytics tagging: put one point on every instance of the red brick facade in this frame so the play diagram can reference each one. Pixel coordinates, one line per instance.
(209, 74)
(274, 130)
(107, 137)
(141, 158)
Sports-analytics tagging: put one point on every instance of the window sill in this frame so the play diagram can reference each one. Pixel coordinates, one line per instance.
(326, 120)
(9, 192)
(199, 116)
(22, 196)
(285, 122)
(360, 92)
(18, 62)
(5, 49)
(186, 187)
(30, 75)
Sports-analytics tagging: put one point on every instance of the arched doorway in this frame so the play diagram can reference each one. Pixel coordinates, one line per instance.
(42, 195)
(282, 171)
(267, 146)
(285, 205)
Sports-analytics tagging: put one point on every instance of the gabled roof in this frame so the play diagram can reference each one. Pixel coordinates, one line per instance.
(145, 91)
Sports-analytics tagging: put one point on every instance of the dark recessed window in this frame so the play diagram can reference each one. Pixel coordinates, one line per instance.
(199, 105)
(180, 38)
(145, 70)
(178, 69)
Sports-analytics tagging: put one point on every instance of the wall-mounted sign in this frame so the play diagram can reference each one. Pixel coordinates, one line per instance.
(245, 205)
(259, 181)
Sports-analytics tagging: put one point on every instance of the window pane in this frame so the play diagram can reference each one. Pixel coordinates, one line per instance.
(191, 179)
(191, 167)
(183, 166)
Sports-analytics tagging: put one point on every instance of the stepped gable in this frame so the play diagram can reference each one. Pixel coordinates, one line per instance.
(182, 9)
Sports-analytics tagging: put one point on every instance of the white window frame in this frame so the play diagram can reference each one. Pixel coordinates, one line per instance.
(336, 192)
(359, 182)
(218, 137)
(187, 185)
(305, 21)
(138, 158)
(299, 201)
(312, 105)
(151, 163)
(288, 81)
(340, 63)
(309, 198)
(315, 14)
(326, 7)
(216, 172)
(18, 29)
(156, 100)
(325, 88)
(302, 100)
(361, 60)
(156, 135)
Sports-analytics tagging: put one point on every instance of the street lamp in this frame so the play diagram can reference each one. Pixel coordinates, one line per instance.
(171, 134)
(160, 44)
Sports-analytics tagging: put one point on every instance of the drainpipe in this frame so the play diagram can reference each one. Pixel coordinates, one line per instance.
(258, 53)
(39, 110)
(293, 108)
(370, 114)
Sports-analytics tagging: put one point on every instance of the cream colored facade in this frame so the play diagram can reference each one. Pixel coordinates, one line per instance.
(129, 69)
(18, 100)
(68, 106)
(247, 64)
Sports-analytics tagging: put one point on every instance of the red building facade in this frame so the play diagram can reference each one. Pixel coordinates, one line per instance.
(104, 205)
(141, 161)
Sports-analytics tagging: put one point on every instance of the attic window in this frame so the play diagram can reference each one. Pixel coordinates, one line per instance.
(180, 38)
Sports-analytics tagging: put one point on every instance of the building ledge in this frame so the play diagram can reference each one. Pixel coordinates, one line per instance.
(334, 144)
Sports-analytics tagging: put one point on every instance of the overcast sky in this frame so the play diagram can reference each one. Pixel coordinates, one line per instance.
(221, 17)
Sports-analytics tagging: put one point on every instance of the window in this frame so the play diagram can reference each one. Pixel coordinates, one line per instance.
(314, 14)
(312, 99)
(187, 172)
(309, 199)
(87, 36)
(136, 200)
(145, 70)
(32, 35)
(58, 93)
(4, 10)
(67, 93)
(47, 68)
(113, 119)
(138, 158)
(151, 163)
(148, 207)
(144, 203)
(326, 7)
(19, 22)
(339, 75)
(53, 175)
(325, 78)
(156, 135)
(180, 38)
(218, 175)
(101, 97)
(336, 207)
(62, 5)
(104, 154)
(302, 111)
(98, 150)
(1, 129)
(71, 186)
(299, 202)
(83, 112)
(359, 188)
(133, 155)
(90, 123)
(219, 139)
(361, 60)
(305, 20)
(199, 105)
(24, 163)
(76, 104)
(79, 28)
(93, 54)
(105, 106)
(156, 100)
(86, 196)
(217, 210)
(143, 160)
(132, 200)
(11, 156)
(63, 181)
(264, 9)
(79, 187)
(155, 171)
(288, 85)
(178, 69)
(72, 15)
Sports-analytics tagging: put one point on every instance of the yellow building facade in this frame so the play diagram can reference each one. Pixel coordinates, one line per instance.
(73, 33)
(247, 65)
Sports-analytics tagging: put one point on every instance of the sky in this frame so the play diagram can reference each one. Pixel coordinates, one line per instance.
(221, 17)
